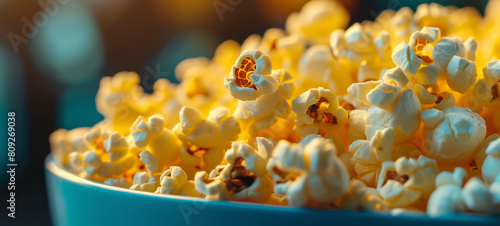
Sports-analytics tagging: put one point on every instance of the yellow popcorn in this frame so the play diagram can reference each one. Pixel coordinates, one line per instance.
(355, 44)
(250, 76)
(444, 100)
(245, 177)
(491, 165)
(144, 182)
(318, 112)
(64, 143)
(226, 53)
(121, 100)
(480, 155)
(200, 86)
(211, 188)
(406, 181)
(152, 135)
(262, 113)
(317, 20)
(204, 140)
(402, 25)
(461, 74)
(322, 176)
(444, 128)
(359, 90)
(174, 181)
(433, 15)
(108, 156)
(359, 196)
(394, 108)
(367, 156)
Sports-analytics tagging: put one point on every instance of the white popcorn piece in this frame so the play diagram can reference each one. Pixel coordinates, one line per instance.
(423, 94)
(401, 111)
(445, 199)
(203, 140)
(453, 135)
(492, 71)
(250, 76)
(470, 48)
(444, 50)
(395, 76)
(476, 196)
(212, 188)
(420, 40)
(316, 63)
(405, 181)
(143, 181)
(359, 90)
(246, 177)
(367, 72)
(357, 125)
(322, 176)
(355, 44)
(367, 156)
(491, 165)
(174, 181)
(358, 196)
(404, 57)
(151, 134)
(495, 192)
(444, 100)
(262, 113)
(461, 74)
(318, 112)
(108, 156)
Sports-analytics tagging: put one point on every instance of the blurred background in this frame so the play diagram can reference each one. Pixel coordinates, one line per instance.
(54, 52)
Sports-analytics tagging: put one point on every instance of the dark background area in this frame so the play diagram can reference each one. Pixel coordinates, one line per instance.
(51, 81)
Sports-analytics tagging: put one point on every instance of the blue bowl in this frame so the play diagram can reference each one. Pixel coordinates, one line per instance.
(77, 201)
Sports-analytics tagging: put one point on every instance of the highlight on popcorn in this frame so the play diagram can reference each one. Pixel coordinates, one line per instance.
(396, 114)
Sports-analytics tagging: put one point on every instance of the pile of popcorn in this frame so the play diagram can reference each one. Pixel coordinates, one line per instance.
(398, 114)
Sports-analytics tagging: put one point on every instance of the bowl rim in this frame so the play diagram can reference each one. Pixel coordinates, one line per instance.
(53, 167)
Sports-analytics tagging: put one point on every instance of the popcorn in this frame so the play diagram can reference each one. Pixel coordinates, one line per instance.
(491, 166)
(405, 181)
(394, 108)
(323, 178)
(121, 100)
(65, 143)
(461, 74)
(355, 44)
(451, 197)
(443, 128)
(367, 156)
(174, 181)
(346, 146)
(404, 57)
(245, 176)
(317, 19)
(492, 71)
(318, 112)
(447, 196)
(109, 155)
(262, 113)
(444, 50)
(203, 141)
(359, 196)
(151, 134)
(250, 76)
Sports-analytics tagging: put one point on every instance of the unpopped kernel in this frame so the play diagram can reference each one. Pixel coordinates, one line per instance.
(399, 114)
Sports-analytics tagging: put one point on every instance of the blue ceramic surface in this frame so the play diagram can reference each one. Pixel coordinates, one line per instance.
(77, 201)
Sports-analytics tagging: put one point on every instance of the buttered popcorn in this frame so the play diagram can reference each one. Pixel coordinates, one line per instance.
(398, 114)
